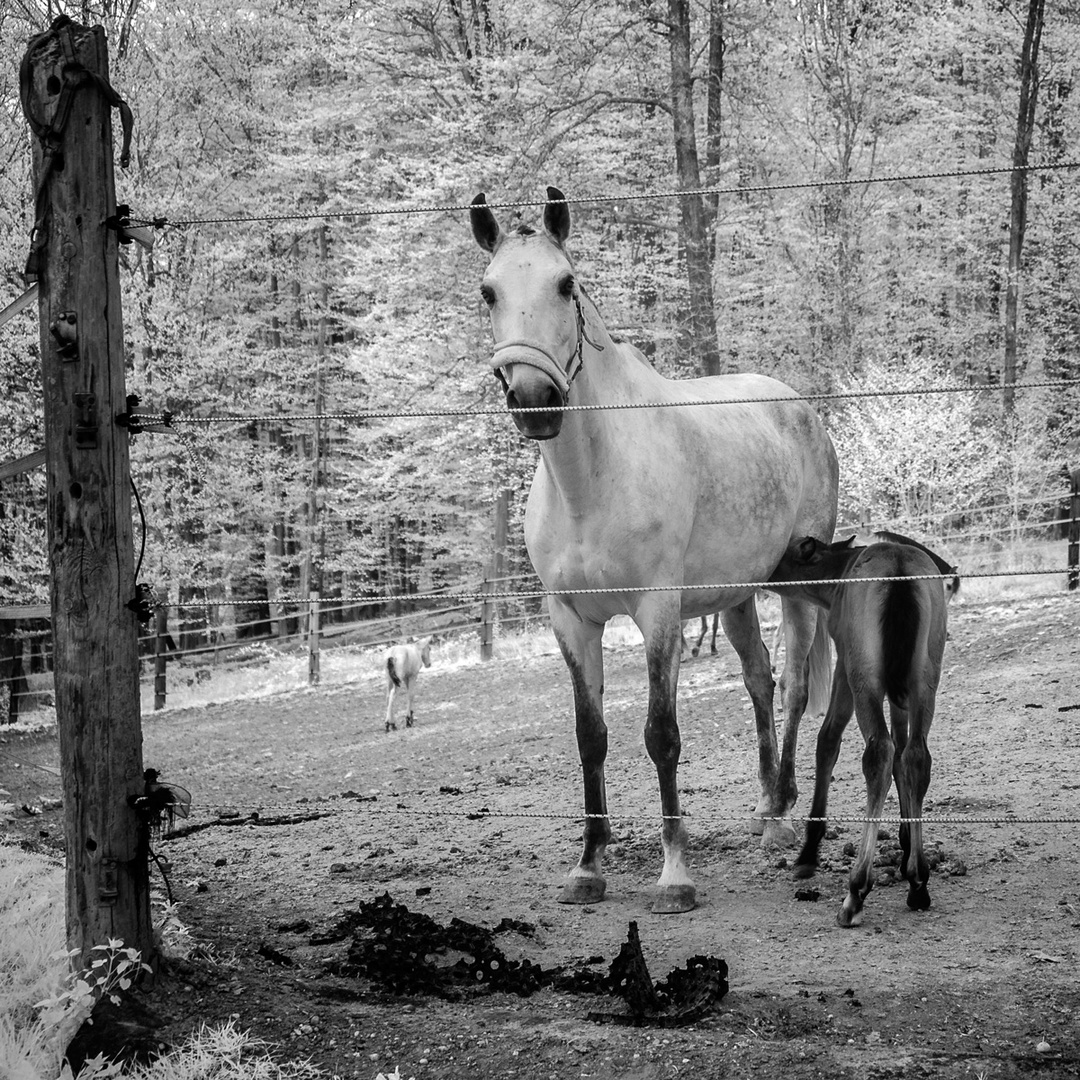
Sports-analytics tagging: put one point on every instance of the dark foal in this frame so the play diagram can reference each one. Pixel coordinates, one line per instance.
(890, 639)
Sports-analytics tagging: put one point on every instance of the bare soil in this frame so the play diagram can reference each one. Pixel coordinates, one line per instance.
(473, 818)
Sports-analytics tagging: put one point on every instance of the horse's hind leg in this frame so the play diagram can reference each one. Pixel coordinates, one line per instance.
(836, 720)
(410, 692)
(581, 649)
(912, 773)
(391, 695)
(877, 769)
(658, 621)
(744, 632)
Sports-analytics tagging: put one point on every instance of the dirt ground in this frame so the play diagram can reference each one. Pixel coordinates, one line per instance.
(473, 818)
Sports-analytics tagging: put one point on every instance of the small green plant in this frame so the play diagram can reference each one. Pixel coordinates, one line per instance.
(114, 970)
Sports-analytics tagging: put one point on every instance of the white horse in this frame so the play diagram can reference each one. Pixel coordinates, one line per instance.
(656, 513)
(402, 667)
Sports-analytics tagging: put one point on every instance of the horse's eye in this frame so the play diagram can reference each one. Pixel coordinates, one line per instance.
(566, 287)
(487, 293)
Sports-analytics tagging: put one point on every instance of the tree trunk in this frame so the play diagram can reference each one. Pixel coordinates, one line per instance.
(1025, 125)
(694, 224)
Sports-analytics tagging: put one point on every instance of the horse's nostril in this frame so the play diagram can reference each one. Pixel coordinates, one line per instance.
(554, 398)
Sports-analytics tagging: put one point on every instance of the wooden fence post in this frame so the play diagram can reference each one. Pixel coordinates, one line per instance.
(74, 258)
(493, 575)
(1074, 531)
(161, 663)
(502, 524)
(487, 618)
(313, 641)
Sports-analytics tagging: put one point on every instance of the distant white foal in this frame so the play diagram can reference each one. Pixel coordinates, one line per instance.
(402, 667)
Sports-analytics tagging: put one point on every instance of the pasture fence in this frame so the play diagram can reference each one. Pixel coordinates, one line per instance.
(269, 814)
(161, 221)
(95, 631)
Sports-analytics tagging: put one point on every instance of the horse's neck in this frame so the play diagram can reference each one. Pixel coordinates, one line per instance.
(592, 442)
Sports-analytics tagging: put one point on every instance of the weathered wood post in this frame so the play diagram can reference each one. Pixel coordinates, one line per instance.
(493, 575)
(66, 98)
(1074, 531)
(487, 620)
(161, 646)
(314, 621)
(502, 528)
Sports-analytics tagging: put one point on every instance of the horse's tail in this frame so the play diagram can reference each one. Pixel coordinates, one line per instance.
(819, 665)
(391, 672)
(905, 624)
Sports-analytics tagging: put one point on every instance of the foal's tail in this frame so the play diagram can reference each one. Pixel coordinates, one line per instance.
(819, 663)
(905, 625)
(391, 672)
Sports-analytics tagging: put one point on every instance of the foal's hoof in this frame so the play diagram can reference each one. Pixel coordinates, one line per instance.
(674, 899)
(582, 889)
(804, 870)
(778, 833)
(918, 897)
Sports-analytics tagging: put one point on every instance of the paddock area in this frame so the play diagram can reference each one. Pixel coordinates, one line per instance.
(472, 814)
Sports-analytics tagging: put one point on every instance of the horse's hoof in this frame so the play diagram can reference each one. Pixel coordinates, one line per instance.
(848, 919)
(674, 899)
(409, 721)
(583, 890)
(778, 834)
(918, 898)
(804, 870)
(757, 825)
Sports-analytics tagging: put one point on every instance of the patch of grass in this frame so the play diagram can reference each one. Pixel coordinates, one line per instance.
(37, 985)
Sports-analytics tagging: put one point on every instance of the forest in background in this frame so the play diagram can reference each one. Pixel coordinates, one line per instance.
(330, 128)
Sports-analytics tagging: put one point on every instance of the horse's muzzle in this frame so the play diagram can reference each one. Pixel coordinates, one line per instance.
(528, 387)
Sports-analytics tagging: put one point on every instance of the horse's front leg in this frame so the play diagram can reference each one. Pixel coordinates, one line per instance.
(580, 643)
(744, 632)
(841, 706)
(661, 627)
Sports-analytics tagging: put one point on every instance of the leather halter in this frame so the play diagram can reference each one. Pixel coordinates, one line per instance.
(562, 376)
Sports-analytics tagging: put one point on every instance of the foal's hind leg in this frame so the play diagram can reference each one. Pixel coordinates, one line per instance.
(744, 632)
(877, 768)
(391, 697)
(912, 774)
(580, 645)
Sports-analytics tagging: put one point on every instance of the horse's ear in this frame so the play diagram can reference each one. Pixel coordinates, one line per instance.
(485, 228)
(557, 216)
(849, 542)
(805, 549)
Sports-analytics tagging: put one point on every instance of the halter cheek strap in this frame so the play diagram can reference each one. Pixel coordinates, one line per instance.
(543, 360)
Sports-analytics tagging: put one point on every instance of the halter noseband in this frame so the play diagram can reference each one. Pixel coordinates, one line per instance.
(561, 376)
